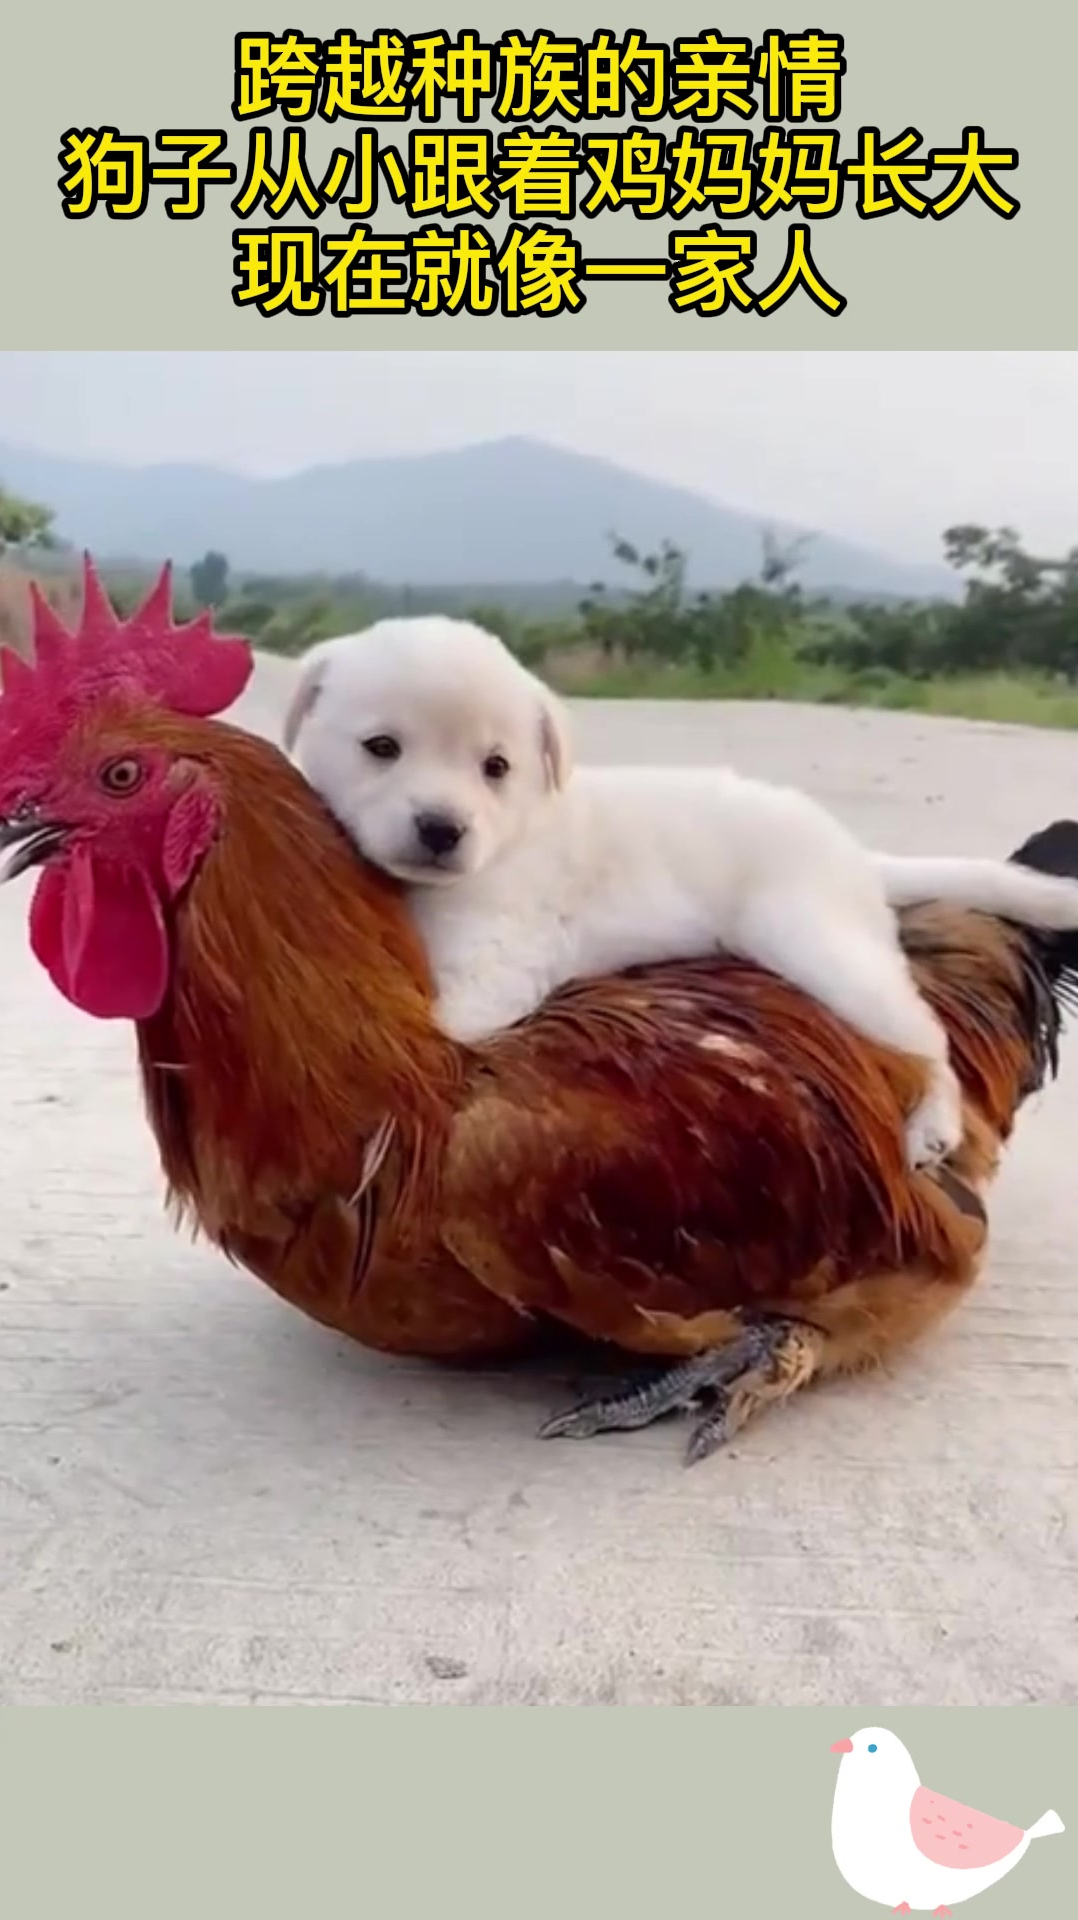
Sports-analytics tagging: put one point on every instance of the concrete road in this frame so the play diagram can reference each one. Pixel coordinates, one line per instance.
(204, 1498)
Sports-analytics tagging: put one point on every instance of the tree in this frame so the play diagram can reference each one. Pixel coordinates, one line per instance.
(1020, 612)
(23, 524)
(902, 637)
(209, 579)
(660, 620)
(647, 623)
(779, 564)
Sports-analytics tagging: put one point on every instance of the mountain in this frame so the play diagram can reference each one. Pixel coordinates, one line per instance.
(504, 511)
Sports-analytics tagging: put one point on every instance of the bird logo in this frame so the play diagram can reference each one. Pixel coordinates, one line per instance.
(906, 1847)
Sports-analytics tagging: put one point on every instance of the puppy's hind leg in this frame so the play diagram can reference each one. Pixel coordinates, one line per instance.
(859, 971)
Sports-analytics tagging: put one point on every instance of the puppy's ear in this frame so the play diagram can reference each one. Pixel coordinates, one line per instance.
(555, 741)
(306, 691)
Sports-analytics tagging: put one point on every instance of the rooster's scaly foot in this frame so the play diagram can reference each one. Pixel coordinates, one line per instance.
(768, 1361)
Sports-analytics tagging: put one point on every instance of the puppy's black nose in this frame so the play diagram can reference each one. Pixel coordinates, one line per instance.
(438, 832)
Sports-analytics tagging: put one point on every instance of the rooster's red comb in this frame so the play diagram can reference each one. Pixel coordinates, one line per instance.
(186, 669)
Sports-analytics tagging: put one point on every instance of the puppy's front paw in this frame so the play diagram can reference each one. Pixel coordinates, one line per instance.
(934, 1129)
(463, 1021)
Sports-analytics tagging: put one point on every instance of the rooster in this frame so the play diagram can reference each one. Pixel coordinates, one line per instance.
(691, 1163)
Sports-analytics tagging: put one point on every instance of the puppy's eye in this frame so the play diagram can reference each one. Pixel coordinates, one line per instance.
(382, 746)
(495, 766)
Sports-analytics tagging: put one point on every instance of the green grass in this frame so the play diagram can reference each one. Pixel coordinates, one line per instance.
(1006, 698)
(768, 672)
(1021, 701)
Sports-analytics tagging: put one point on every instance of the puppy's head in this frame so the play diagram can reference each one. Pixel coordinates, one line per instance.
(429, 741)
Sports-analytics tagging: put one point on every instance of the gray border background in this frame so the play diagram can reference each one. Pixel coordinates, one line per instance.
(628, 1811)
(972, 280)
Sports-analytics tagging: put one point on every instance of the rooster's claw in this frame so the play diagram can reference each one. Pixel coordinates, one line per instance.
(710, 1379)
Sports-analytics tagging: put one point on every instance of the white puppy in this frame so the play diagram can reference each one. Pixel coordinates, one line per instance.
(449, 765)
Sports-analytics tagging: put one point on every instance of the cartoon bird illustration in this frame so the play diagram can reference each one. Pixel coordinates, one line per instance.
(904, 1846)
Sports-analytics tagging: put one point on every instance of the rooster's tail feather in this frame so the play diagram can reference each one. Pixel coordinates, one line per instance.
(1054, 850)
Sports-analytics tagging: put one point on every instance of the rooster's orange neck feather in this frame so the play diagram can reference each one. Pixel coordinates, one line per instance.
(300, 1007)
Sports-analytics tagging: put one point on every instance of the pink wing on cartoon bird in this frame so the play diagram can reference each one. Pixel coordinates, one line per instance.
(951, 1835)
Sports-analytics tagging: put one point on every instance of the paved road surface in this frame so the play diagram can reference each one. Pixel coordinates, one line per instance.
(205, 1498)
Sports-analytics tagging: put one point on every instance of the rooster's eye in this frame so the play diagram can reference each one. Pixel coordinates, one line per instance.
(382, 746)
(121, 777)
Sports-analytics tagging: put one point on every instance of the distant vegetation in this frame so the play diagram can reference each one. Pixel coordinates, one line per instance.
(1008, 650)
(24, 526)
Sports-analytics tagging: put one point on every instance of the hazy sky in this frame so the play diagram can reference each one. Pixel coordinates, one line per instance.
(883, 448)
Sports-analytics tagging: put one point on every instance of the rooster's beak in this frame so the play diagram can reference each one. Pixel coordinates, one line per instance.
(33, 840)
(842, 1746)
